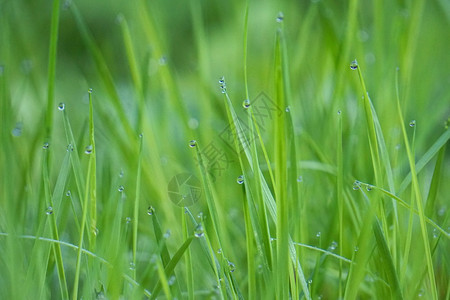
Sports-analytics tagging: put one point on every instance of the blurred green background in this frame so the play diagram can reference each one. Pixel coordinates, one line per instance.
(182, 48)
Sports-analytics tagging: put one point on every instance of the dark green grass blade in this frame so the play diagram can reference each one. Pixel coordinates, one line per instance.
(168, 270)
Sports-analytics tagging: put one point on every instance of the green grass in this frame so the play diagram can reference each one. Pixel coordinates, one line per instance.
(314, 181)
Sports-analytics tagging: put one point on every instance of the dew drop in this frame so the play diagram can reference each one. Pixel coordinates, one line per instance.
(356, 185)
(69, 148)
(128, 220)
(333, 245)
(435, 233)
(61, 106)
(287, 109)
(412, 123)
(318, 234)
(231, 267)
(300, 179)
(222, 85)
(369, 187)
(240, 179)
(17, 130)
(167, 234)
(141, 135)
(68, 193)
(339, 112)
(193, 143)
(121, 188)
(132, 266)
(150, 210)
(280, 17)
(219, 251)
(310, 281)
(88, 150)
(49, 211)
(90, 90)
(171, 280)
(199, 231)
(121, 173)
(45, 146)
(246, 103)
(200, 216)
(354, 65)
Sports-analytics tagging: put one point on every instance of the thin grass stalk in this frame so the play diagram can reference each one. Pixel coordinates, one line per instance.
(416, 188)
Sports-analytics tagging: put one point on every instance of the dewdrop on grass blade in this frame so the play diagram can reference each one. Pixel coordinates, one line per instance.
(192, 143)
(88, 150)
(280, 17)
(45, 146)
(240, 179)
(354, 65)
(150, 210)
(246, 103)
(412, 123)
(49, 211)
(121, 188)
(61, 106)
(231, 267)
(199, 231)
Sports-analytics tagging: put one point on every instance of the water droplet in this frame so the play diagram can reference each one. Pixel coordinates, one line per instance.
(354, 65)
(421, 293)
(339, 112)
(356, 185)
(95, 231)
(200, 216)
(49, 211)
(171, 280)
(219, 251)
(128, 220)
(141, 135)
(287, 109)
(356, 249)
(61, 106)
(318, 234)
(193, 143)
(162, 60)
(132, 266)
(121, 173)
(280, 17)
(223, 85)
(246, 103)
(199, 231)
(300, 178)
(412, 123)
(17, 130)
(310, 281)
(45, 146)
(88, 149)
(369, 187)
(167, 234)
(240, 179)
(150, 210)
(68, 193)
(231, 267)
(273, 239)
(435, 233)
(69, 148)
(90, 90)
(121, 188)
(186, 210)
(333, 245)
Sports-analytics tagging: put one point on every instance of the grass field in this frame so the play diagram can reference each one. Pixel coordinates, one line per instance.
(224, 150)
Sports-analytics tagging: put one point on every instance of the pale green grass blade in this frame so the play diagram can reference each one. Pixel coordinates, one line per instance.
(136, 206)
(168, 270)
(93, 175)
(426, 158)
(340, 195)
(418, 195)
(435, 183)
(52, 53)
(59, 186)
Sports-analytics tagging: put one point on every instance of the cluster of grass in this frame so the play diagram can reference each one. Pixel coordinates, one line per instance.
(310, 174)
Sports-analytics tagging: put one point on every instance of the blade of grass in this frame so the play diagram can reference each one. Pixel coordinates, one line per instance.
(52, 53)
(418, 195)
(59, 186)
